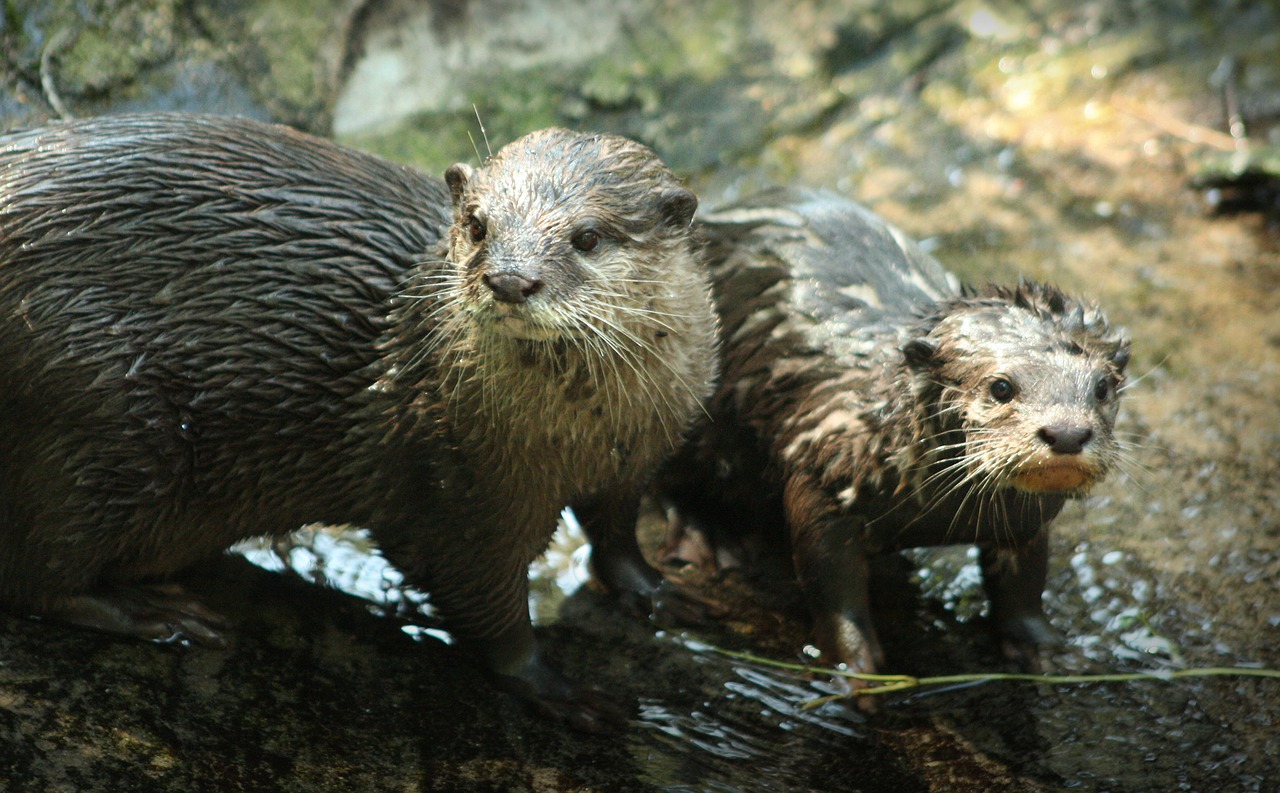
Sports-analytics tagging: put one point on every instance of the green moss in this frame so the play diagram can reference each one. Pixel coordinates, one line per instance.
(700, 41)
(98, 46)
(288, 35)
(284, 50)
(528, 100)
(429, 142)
(433, 141)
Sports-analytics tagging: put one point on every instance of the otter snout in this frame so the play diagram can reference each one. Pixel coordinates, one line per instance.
(512, 287)
(1065, 438)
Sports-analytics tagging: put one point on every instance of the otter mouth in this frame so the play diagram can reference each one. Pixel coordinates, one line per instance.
(1055, 476)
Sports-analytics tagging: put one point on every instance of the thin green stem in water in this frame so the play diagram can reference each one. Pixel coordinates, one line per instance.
(887, 684)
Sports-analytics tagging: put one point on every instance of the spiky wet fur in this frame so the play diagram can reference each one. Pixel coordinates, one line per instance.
(214, 328)
(857, 405)
(934, 431)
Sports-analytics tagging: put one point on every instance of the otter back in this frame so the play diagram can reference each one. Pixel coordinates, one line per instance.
(188, 309)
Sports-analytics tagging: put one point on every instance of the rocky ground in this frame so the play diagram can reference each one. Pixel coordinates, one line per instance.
(1126, 151)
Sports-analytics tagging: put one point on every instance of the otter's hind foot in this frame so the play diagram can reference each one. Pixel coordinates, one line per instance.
(646, 593)
(672, 605)
(620, 565)
(155, 612)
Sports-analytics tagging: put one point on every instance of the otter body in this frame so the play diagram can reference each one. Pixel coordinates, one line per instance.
(214, 328)
(871, 404)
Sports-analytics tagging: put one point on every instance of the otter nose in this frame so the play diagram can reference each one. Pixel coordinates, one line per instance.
(1065, 438)
(510, 287)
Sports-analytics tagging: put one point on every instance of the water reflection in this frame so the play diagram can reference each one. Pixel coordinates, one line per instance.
(740, 726)
(751, 732)
(348, 560)
(344, 558)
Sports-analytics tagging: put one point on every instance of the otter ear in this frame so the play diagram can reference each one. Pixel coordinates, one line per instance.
(919, 353)
(677, 206)
(1121, 355)
(457, 177)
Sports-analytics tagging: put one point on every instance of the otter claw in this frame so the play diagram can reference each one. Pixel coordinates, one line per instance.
(551, 694)
(158, 612)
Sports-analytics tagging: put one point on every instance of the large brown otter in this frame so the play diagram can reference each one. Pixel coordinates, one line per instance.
(870, 404)
(215, 328)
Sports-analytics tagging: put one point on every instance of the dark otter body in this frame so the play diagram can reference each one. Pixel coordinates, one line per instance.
(213, 328)
(872, 405)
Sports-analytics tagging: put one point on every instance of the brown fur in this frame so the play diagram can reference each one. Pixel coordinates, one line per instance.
(215, 328)
(860, 404)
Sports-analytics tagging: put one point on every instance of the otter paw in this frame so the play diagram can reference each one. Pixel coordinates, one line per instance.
(645, 592)
(551, 694)
(863, 704)
(669, 605)
(1023, 638)
(155, 612)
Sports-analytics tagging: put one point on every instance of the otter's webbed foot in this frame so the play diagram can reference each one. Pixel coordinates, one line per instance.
(849, 649)
(550, 693)
(1023, 637)
(155, 612)
(670, 605)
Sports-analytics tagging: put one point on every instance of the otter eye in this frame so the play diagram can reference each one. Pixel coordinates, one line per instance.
(1102, 390)
(585, 240)
(1001, 390)
(476, 229)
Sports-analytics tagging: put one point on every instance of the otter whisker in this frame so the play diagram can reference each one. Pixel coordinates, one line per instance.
(627, 334)
(1133, 380)
(617, 349)
(625, 304)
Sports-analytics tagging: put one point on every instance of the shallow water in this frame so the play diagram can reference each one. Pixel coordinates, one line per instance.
(717, 722)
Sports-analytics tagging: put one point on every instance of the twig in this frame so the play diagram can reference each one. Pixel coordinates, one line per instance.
(888, 684)
(1179, 128)
(56, 42)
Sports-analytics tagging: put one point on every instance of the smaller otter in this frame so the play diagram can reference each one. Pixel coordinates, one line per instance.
(212, 329)
(871, 404)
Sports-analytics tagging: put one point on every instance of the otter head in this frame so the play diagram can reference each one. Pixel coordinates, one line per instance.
(566, 235)
(1023, 388)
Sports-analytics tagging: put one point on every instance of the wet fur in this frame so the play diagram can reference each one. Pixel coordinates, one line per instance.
(856, 407)
(215, 328)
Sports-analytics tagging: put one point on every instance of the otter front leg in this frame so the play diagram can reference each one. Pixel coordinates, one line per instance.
(521, 670)
(830, 556)
(486, 607)
(616, 558)
(1014, 580)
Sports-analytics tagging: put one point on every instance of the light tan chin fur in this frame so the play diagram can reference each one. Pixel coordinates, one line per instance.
(516, 322)
(516, 328)
(1055, 476)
